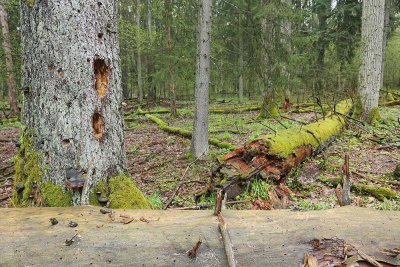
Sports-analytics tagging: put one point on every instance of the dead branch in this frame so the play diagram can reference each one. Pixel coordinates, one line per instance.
(227, 241)
(193, 252)
(169, 201)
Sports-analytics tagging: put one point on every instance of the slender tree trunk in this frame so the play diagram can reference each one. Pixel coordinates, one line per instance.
(372, 29)
(139, 55)
(268, 107)
(200, 126)
(386, 30)
(241, 64)
(168, 29)
(12, 87)
(150, 61)
(72, 93)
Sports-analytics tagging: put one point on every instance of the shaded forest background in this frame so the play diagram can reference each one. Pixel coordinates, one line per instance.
(314, 48)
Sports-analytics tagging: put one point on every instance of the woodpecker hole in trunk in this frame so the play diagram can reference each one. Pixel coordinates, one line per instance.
(101, 76)
(98, 125)
(66, 142)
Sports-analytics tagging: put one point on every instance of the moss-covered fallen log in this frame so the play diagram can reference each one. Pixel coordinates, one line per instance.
(274, 155)
(185, 133)
(376, 191)
(391, 103)
(234, 110)
(156, 111)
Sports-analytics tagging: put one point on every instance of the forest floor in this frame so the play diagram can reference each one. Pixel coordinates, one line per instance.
(158, 160)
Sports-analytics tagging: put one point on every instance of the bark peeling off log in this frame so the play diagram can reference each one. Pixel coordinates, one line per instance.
(275, 155)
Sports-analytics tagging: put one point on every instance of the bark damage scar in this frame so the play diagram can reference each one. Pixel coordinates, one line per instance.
(101, 72)
(98, 125)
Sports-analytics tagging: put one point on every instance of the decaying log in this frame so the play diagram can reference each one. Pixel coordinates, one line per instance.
(185, 133)
(275, 155)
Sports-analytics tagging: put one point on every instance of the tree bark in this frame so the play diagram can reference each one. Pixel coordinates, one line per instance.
(168, 30)
(139, 55)
(150, 60)
(11, 84)
(200, 126)
(72, 89)
(241, 64)
(268, 107)
(373, 17)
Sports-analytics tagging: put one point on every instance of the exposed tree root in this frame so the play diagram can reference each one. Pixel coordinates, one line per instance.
(275, 155)
(185, 133)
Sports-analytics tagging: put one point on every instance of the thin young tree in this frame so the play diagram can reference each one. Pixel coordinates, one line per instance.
(372, 39)
(72, 109)
(139, 53)
(200, 125)
(168, 30)
(11, 84)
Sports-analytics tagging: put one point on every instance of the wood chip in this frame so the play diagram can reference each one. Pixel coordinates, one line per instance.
(309, 261)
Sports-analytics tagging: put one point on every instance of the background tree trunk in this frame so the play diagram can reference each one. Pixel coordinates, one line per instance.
(168, 31)
(73, 95)
(11, 84)
(241, 64)
(371, 53)
(200, 127)
(139, 55)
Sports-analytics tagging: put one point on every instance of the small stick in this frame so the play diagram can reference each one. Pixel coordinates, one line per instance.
(227, 241)
(169, 201)
(193, 252)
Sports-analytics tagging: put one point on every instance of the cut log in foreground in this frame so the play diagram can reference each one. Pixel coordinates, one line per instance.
(274, 155)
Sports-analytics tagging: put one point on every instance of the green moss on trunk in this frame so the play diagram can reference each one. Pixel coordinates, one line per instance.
(124, 194)
(28, 172)
(374, 117)
(30, 3)
(55, 196)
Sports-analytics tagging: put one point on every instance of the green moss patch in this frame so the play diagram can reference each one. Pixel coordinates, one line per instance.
(124, 194)
(30, 3)
(100, 187)
(54, 196)
(374, 116)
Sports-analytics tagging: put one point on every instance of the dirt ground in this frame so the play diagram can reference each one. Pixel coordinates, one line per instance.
(158, 160)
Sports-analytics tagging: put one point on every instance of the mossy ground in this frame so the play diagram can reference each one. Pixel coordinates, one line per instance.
(157, 160)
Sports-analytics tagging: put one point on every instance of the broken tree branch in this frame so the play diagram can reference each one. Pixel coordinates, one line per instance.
(181, 182)
(227, 241)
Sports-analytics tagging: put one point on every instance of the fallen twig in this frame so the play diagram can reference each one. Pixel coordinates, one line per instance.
(68, 242)
(193, 252)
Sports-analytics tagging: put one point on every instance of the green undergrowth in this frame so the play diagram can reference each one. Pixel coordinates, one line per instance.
(286, 141)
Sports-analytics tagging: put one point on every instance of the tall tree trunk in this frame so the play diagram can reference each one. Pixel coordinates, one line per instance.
(12, 87)
(269, 107)
(372, 29)
(241, 64)
(200, 126)
(139, 55)
(72, 97)
(168, 29)
(150, 60)
(386, 31)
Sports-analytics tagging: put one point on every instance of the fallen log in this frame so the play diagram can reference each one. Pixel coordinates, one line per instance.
(185, 133)
(391, 103)
(378, 192)
(274, 155)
